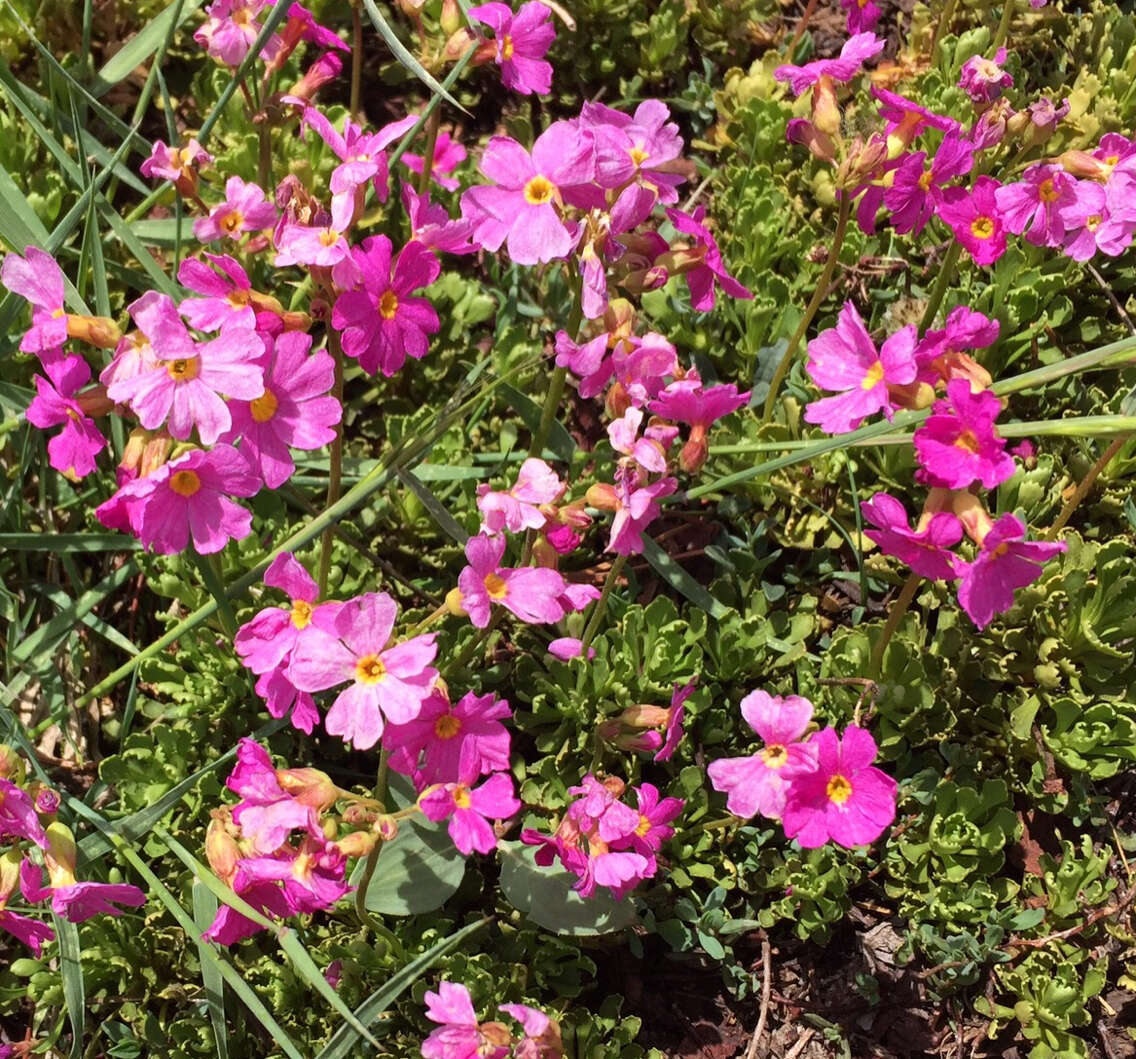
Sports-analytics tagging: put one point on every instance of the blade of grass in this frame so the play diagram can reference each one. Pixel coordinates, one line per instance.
(74, 990)
(106, 631)
(434, 506)
(66, 542)
(681, 581)
(204, 909)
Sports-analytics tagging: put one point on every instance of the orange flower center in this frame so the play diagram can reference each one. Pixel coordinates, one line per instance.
(925, 180)
(232, 223)
(1093, 222)
(982, 227)
(638, 155)
(447, 726)
(388, 305)
(496, 587)
(967, 441)
(183, 370)
(237, 298)
(539, 191)
(644, 826)
(461, 796)
(185, 483)
(838, 789)
(1046, 191)
(506, 48)
(775, 755)
(370, 669)
(263, 408)
(301, 613)
(329, 237)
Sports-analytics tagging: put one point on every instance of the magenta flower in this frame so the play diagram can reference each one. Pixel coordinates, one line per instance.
(518, 508)
(178, 165)
(1102, 218)
(79, 901)
(1033, 206)
(917, 190)
(73, 450)
(758, 783)
(226, 302)
(531, 593)
(160, 335)
(699, 407)
(710, 269)
(312, 876)
(845, 358)
(448, 155)
(958, 444)
(229, 926)
(456, 742)
(976, 219)
(382, 324)
(245, 209)
(637, 506)
(862, 15)
(655, 815)
(322, 244)
(362, 154)
(647, 452)
(1005, 562)
(940, 353)
(845, 799)
(984, 79)
(542, 1038)
(266, 814)
(431, 225)
(519, 209)
(857, 50)
(186, 389)
(521, 43)
(591, 362)
(18, 817)
(458, 1035)
(469, 810)
(926, 549)
(672, 733)
(295, 411)
(388, 683)
(37, 278)
(32, 933)
(906, 119)
(639, 148)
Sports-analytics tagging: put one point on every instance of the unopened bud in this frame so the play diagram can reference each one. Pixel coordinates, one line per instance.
(46, 802)
(295, 321)
(616, 400)
(411, 8)
(458, 44)
(863, 162)
(913, 395)
(603, 496)
(826, 111)
(356, 815)
(451, 17)
(644, 716)
(544, 554)
(385, 827)
(100, 331)
(805, 133)
(61, 854)
(574, 515)
(356, 844)
(221, 848)
(974, 517)
(156, 452)
(94, 401)
(614, 785)
(495, 1035)
(454, 603)
(308, 786)
(694, 452)
(264, 303)
(11, 767)
(1083, 164)
(326, 68)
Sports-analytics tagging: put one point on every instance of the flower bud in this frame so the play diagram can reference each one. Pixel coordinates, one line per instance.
(826, 111)
(46, 802)
(805, 133)
(454, 603)
(494, 1035)
(221, 848)
(156, 452)
(616, 400)
(94, 401)
(308, 786)
(914, 395)
(644, 716)
(603, 496)
(11, 766)
(326, 68)
(862, 163)
(974, 517)
(458, 44)
(100, 331)
(544, 554)
(356, 844)
(385, 827)
(1083, 164)
(451, 17)
(356, 815)
(61, 854)
(695, 451)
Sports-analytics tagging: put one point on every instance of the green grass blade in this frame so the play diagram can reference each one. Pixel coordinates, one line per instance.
(74, 990)
(345, 1040)
(66, 542)
(681, 581)
(92, 621)
(141, 46)
(437, 510)
(204, 909)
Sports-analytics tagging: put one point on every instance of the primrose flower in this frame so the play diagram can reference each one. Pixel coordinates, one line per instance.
(845, 358)
(323, 244)
(958, 444)
(295, 411)
(455, 741)
(448, 155)
(178, 165)
(940, 353)
(917, 190)
(542, 1038)
(362, 154)
(73, 450)
(459, 1036)
(1005, 562)
(905, 120)
(30, 931)
(641, 148)
(267, 814)
(245, 209)
(160, 335)
(521, 43)
(519, 209)
(699, 407)
(531, 593)
(845, 798)
(231, 30)
(227, 301)
(388, 683)
(469, 810)
(708, 265)
(984, 79)
(862, 15)
(1033, 206)
(925, 549)
(758, 783)
(976, 219)
(39, 280)
(18, 817)
(672, 732)
(857, 50)
(229, 926)
(636, 507)
(518, 508)
(647, 451)
(312, 875)
(431, 225)
(1102, 218)
(383, 323)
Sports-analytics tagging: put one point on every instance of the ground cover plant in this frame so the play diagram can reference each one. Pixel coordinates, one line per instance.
(588, 530)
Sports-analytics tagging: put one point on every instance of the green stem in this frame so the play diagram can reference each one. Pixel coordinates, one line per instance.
(601, 603)
(548, 412)
(1085, 485)
(356, 59)
(209, 567)
(472, 647)
(432, 125)
(895, 616)
(942, 282)
(335, 468)
(810, 311)
(264, 156)
(941, 25)
(1004, 25)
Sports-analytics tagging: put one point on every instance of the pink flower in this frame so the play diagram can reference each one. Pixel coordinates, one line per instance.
(229, 926)
(178, 165)
(322, 244)
(568, 647)
(1102, 218)
(542, 1038)
(655, 815)
(32, 933)
(757, 784)
(984, 79)
(1005, 563)
(18, 817)
(531, 593)
(941, 353)
(637, 506)
(976, 219)
(431, 225)
(519, 209)
(675, 716)
(863, 15)
(647, 452)
(295, 411)
(639, 148)
(845, 798)
(231, 30)
(856, 51)
(36, 278)
(906, 120)
(518, 508)
(845, 358)
(362, 154)
(448, 155)
(312, 875)
(917, 191)
(160, 335)
(245, 209)
(227, 302)
(712, 269)
(73, 450)
(79, 901)
(1033, 206)
(382, 323)
(186, 389)
(521, 43)
(266, 814)
(469, 810)
(925, 549)
(388, 683)
(458, 1035)
(958, 444)
(459, 741)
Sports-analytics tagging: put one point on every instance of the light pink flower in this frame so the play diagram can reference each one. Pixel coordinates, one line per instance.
(469, 810)
(37, 278)
(710, 269)
(323, 244)
(448, 155)
(362, 154)
(531, 593)
(73, 450)
(1033, 205)
(178, 165)
(637, 507)
(458, 1035)
(245, 209)
(227, 301)
(518, 508)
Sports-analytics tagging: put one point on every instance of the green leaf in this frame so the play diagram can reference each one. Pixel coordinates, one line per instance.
(437, 510)
(681, 581)
(204, 910)
(559, 440)
(545, 896)
(74, 991)
(141, 46)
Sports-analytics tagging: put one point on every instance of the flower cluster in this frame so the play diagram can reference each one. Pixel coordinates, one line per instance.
(460, 1036)
(821, 786)
(35, 840)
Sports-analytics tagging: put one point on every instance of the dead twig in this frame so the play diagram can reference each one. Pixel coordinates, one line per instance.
(766, 990)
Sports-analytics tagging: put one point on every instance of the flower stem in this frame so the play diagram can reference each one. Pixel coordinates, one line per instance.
(1085, 485)
(472, 647)
(942, 282)
(1004, 25)
(601, 604)
(895, 616)
(356, 59)
(810, 311)
(432, 124)
(800, 30)
(941, 25)
(209, 567)
(335, 469)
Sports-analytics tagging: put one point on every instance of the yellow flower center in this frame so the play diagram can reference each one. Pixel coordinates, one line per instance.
(873, 377)
(447, 726)
(539, 191)
(775, 755)
(982, 227)
(237, 298)
(263, 408)
(644, 826)
(58, 314)
(329, 237)
(370, 669)
(1001, 550)
(388, 305)
(1093, 222)
(496, 587)
(301, 613)
(925, 180)
(232, 223)
(638, 155)
(838, 789)
(967, 441)
(506, 48)
(185, 483)
(1046, 191)
(183, 370)
(461, 796)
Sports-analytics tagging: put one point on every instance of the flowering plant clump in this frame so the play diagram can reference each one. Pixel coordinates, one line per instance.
(431, 412)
